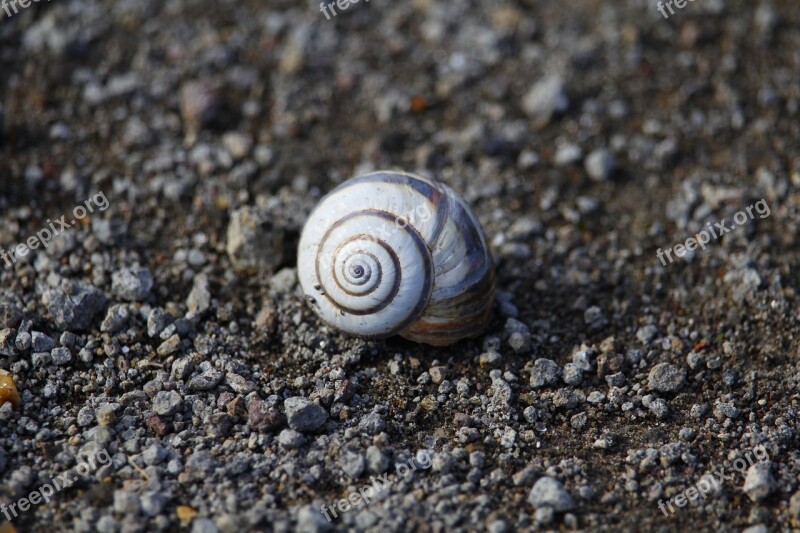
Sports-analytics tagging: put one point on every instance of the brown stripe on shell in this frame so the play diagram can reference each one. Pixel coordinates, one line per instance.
(424, 252)
(380, 271)
(389, 297)
(466, 315)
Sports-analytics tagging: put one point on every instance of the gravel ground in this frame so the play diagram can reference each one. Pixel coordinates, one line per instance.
(163, 337)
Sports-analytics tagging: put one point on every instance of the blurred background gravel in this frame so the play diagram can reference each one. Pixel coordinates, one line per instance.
(170, 331)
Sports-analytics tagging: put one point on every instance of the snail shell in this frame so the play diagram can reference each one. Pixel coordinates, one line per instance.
(392, 253)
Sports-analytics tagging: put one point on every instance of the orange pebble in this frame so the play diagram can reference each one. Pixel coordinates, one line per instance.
(8, 390)
(418, 103)
(185, 514)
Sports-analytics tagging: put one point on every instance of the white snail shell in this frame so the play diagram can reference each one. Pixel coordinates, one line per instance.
(392, 253)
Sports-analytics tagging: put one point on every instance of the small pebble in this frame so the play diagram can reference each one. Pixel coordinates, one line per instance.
(759, 483)
(549, 492)
(599, 164)
(665, 377)
(303, 414)
(132, 284)
(545, 372)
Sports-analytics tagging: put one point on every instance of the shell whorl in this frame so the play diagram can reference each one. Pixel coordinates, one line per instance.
(393, 253)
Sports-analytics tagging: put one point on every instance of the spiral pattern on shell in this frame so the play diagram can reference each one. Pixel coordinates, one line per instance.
(393, 253)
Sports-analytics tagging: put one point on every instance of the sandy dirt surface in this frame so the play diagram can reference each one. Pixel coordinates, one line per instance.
(164, 370)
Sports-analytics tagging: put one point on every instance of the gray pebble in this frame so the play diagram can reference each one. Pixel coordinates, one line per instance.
(646, 334)
(200, 464)
(519, 342)
(498, 526)
(291, 439)
(595, 397)
(594, 318)
(665, 377)
(167, 403)
(545, 372)
(659, 408)
(633, 357)
(132, 284)
(546, 98)
(377, 461)
(154, 454)
(544, 515)
(303, 414)
(578, 421)
(490, 359)
(116, 319)
(759, 483)
(169, 346)
(311, 520)
(126, 503)
(599, 164)
(105, 414)
(153, 503)
(283, 281)
(61, 356)
(107, 524)
(182, 368)
(237, 144)
(157, 321)
(572, 374)
(730, 377)
(567, 154)
(199, 299)
(204, 525)
(239, 384)
(85, 416)
(41, 342)
(10, 306)
(353, 464)
(41, 359)
(206, 381)
(23, 341)
(67, 339)
(254, 242)
(583, 361)
(74, 304)
(549, 492)
(438, 373)
(467, 434)
(698, 411)
(724, 410)
(86, 355)
(199, 104)
(615, 380)
(477, 459)
(7, 342)
(372, 424)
